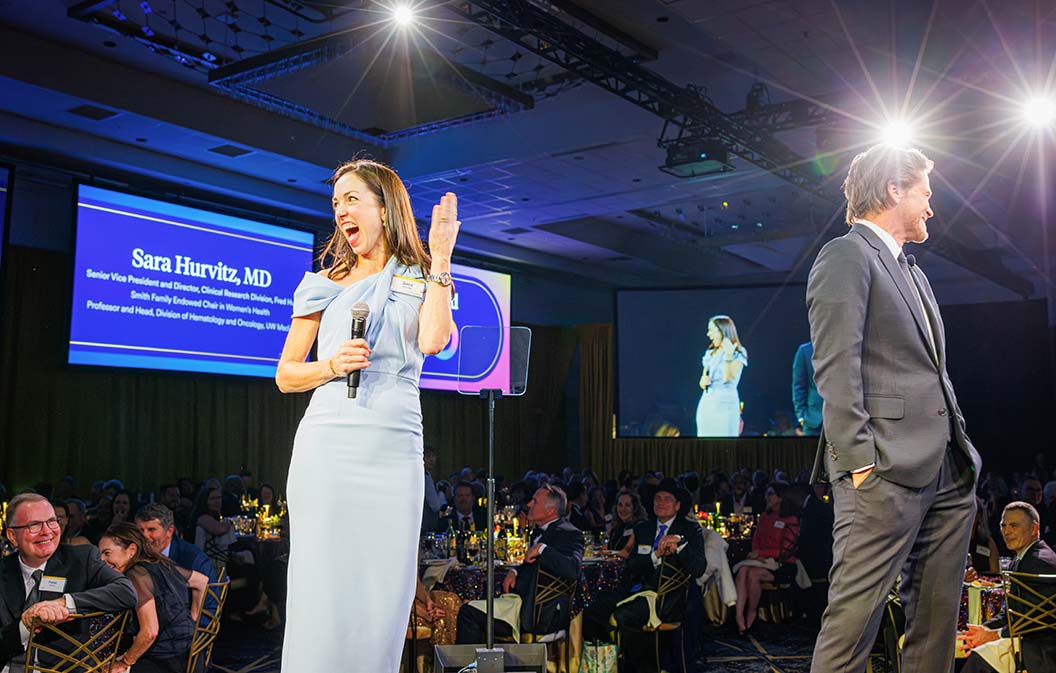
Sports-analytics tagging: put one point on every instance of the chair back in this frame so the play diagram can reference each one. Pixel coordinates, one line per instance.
(671, 588)
(88, 647)
(549, 589)
(208, 626)
(1030, 603)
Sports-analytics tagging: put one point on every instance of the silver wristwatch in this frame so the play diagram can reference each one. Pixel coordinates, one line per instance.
(443, 278)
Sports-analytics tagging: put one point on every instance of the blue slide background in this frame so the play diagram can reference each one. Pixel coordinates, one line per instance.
(111, 225)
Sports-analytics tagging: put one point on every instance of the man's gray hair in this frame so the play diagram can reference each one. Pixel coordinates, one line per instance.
(872, 171)
(18, 501)
(556, 499)
(156, 511)
(1025, 507)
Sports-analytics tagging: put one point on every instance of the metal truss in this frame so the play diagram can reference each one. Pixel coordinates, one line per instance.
(686, 110)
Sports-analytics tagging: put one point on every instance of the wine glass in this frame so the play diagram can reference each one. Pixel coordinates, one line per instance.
(472, 549)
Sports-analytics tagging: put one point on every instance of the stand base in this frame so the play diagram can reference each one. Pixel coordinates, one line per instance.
(505, 658)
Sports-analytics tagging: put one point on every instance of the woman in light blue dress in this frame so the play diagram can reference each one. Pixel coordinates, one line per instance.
(356, 479)
(719, 409)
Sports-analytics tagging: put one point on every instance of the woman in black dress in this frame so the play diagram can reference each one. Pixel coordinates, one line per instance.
(163, 623)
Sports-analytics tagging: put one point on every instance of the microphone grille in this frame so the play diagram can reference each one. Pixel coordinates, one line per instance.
(360, 310)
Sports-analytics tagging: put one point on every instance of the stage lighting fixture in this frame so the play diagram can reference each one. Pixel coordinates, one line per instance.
(1040, 111)
(403, 15)
(695, 158)
(897, 133)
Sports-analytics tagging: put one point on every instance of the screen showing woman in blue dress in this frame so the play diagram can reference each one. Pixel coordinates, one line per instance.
(366, 448)
(719, 409)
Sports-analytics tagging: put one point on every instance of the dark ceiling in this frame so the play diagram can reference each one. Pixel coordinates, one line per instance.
(545, 116)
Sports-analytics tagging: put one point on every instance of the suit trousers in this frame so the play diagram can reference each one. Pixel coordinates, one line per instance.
(473, 625)
(883, 531)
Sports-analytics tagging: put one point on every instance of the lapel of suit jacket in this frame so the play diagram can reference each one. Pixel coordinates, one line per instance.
(928, 297)
(14, 588)
(899, 278)
(56, 567)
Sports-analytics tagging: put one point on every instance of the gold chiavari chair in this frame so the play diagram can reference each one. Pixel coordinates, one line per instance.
(1030, 603)
(89, 647)
(207, 626)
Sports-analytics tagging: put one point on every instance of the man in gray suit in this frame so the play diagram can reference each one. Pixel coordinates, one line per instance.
(893, 443)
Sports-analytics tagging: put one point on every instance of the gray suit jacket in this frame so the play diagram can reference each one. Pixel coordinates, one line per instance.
(887, 399)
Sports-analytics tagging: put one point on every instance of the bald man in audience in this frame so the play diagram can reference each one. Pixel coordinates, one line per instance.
(990, 644)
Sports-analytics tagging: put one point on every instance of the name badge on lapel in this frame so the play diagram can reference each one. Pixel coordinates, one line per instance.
(409, 286)
(645, 549)
(53, 584)
(779, 524)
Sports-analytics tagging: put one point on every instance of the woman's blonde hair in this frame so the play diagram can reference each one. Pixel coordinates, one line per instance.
(872, 171)
(401, 231)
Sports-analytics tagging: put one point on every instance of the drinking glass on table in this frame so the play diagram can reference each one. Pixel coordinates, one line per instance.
(472, 548)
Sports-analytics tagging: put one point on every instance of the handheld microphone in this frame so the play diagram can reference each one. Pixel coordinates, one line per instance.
(360, 311)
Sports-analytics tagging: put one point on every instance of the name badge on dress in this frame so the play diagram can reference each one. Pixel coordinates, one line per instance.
(779, 524)
(645, 549)
(627, 532)
(982, 550)
(53, 584)
(409, 286)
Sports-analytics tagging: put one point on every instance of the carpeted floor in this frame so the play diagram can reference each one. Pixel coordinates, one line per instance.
(786, 648)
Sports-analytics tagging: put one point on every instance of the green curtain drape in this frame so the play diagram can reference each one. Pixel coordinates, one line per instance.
(601, 451)
(149, 427)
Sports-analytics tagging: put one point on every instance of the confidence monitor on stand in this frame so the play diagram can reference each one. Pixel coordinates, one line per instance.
(482, 354)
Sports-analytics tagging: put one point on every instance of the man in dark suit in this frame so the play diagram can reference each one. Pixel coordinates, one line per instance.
(666, 537)
(465, 516)
(893, 441)
(48, 581)
(805, 397)
(1020, 526)
(157, 523)
(556, 547)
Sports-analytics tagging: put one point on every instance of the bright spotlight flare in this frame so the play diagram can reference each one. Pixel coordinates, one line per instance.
(403, 14)
(898, 133)
(1040, 111)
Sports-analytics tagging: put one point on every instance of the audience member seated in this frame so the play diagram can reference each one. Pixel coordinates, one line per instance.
(465, 516)
(231, 499)
(989, 644)
(983, 553)
(627, 513)
(773, 555)
(156, 524)
(47, 581)
(162, 626)
(671, 537)
(99, 518)
(577, 503)
(170, 496)
(62, 513)
(739, 496)
(556, 546)
(437, 610)
(76, 510)
(122, 508)
(815, 547)
(595, 510)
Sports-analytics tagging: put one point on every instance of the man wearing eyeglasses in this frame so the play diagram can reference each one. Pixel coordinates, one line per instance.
(47, 581)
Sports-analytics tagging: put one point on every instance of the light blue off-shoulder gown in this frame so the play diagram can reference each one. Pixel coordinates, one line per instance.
(355, 487)
(719, 408)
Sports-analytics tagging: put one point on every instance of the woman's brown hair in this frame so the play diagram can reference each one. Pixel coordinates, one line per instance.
(124, 534)
(401, 231)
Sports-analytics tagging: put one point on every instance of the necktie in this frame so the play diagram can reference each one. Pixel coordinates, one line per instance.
(659, 534)
(34, 594)
(902, 264)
